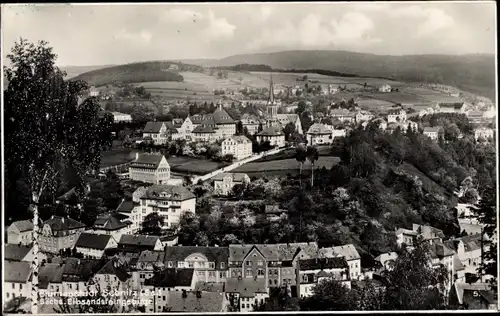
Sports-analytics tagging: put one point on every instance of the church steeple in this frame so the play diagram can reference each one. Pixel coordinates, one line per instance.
(272, 105)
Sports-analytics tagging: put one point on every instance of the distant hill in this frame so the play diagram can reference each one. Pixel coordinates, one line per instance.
(474, 73)
(73, 71)
(136, 72)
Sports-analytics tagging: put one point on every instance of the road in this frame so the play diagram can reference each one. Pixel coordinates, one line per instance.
(235, 165)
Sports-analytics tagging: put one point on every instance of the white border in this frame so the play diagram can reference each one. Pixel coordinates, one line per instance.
(253, 3)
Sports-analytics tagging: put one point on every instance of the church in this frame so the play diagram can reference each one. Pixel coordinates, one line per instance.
(279, 121)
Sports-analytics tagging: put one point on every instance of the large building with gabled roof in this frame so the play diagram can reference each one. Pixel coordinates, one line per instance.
(155, 132)
(60, 233)
(208, 127)
(150, 168)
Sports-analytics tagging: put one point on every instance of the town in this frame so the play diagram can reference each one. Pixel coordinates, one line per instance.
(302, 192)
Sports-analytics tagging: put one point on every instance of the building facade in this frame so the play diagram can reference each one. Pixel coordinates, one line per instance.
(225, 182)
(59, 233)
(240, 147)
(150, 169)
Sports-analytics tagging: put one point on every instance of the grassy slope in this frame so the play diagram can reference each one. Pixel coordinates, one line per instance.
(474, 73)
(130, 73)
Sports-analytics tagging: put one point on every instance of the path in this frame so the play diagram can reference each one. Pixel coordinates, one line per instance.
(235, 165)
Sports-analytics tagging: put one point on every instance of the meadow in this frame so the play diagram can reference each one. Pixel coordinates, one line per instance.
(287, 165)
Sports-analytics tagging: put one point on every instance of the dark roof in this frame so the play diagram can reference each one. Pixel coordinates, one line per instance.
(273, 252)
(111, 221)
(168, 192)
(116, 267)
(220, 116)
(209, 286)
(93, 241)
(319, 129)
(455, 105)
(50, 273)
(153, 127)
(126, 206)
(208, 302)
(76, 270)
(270, 131)
(205, 119)
(213, 254)
(16, 252)
(240, 139)
(439, 250)
(171, 277)
(171, 126)
(203, 129)
(245, 287)
(323, 263)
(138, 240)
(58, 223)
(177, 122)
(147, 161)
(471, 242)
(16, 272)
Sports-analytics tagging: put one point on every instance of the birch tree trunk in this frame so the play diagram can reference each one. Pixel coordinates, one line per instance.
(312, 174)
(35, 264)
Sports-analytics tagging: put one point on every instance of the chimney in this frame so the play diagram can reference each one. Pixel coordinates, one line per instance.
(136, 156)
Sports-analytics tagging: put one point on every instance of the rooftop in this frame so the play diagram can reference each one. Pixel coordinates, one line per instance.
(147, 161)
(153, 127)
(171, 277)
(318, 128)
(348, 251)
(212, 254)
(15, 252)
(273, 252)
(196, 302)
(245, 287)
(168, 192)
(23, 226)
(58, 223)
(270, 131)
(93, 241)
(50, 273)
(237, 177)
(16, 272)
(323, 263)
(138, 240)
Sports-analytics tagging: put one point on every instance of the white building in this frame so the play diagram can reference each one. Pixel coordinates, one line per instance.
(332, 89)
(247, 292)
(285, 119)
(386, 260)
(396, 116)
(319, 134)
(150, 169)
(313, 271)
(156, 132)
(238, 146)
(93, 245)
(453, 107)
(405, 237)
(433, 132)
(17, 280)
(363, 116)
(343, 115)
(20, 232)
(114, 224)
(168, 201)
(385, 88)
(225, 182)
(121, 117)
(483, 132)
(348, 252)
(274, 136)
(468, 250)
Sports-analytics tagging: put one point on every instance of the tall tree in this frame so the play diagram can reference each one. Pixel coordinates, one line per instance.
(301, 156)
(312, 155)
(48, 127)
(152, 224)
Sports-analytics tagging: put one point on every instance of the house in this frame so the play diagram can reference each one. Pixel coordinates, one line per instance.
(240, 147)
(319, 134)
(386, 260)
(385, 88)
(312, 271)
(173, 67)
(274, 213)
(196, 302)
(50, 278)
(426, 111)
(468, 250)
(294, 119)
(428, 232)
(121, 117)
(351, 255)
(246, 293)
(396, 116)
(21, 232)
(155, 132)
(78, 274)
(150, 169)
(132, 210)
(476, 296)
(343, 115)
(215, 126)
(441, 254)
(483, 132)
(173, 129)
(147, 263)
(93, 245)
(363, 116)
(165, 281)
(273, 135)
(405, 237)
(17, 280)
(59, 233)
(169, 240)
(433, 132)
(205, 134)
(459, 270)
(450, 107)
(140, 242)
(251, 123)
(114, 224)
(168, 201)
(115, 276)
(21, 253)
(274, 263)
(332, 89)
(209, 263)
(225, 182)
(476, 117)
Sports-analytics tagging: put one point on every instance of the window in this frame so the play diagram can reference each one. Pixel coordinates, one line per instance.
(270, 282)
(249, 263)
(181, 264)
(211, 274)
(21, 286)
(13, 286)
(222, 265)
(249, 273)
(170, 264)
(191, 264)
(260, 263)
(211, 265)
(260, 272)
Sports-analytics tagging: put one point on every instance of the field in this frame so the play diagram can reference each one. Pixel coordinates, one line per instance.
(397, 97)
(188, 166)
(286, 165)
(431, 95)
(374, 104)
(117, 156)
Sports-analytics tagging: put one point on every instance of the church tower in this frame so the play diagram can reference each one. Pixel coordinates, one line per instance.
(272, 105)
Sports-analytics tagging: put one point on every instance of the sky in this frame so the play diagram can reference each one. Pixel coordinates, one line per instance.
(84, 35)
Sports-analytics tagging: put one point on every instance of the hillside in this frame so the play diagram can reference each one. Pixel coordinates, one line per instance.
(474, 73)
(73, 71)
(135, 73)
